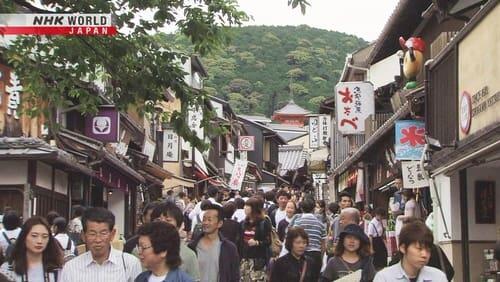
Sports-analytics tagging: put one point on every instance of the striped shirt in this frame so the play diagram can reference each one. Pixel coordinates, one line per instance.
(120, 266)
(314, 228)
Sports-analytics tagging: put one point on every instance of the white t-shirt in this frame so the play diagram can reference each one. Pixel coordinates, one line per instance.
(75, 225)
(35, 274)
(279, 216)
(11, 234)
(154, 278)
(239, 215)
(63, 240)
(375, 228)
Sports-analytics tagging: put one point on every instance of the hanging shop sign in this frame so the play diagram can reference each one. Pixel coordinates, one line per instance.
(238, 175)
(170, 145)
(324, 129)
(314, 141)
(105, 125)
(410, 139)
(195, 117)
(14, 91)
(413, 175)
(246, 143)
(354, 103)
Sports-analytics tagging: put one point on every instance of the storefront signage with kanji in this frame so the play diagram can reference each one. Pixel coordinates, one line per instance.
(410, 139)
(14, 91)
(354, 103)
(238, 175)
(414, 175)
(170, 145)
(314, 141)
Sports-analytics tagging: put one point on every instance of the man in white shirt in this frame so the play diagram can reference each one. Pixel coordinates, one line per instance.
(212, 193)
(415, 242)
(101, 262)
(279, 214)
(11, 230)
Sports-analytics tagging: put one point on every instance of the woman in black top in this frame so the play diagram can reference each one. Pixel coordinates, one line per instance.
(293, 267)
(254, 243)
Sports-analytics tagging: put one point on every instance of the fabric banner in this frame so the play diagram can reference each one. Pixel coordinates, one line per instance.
(410, 139)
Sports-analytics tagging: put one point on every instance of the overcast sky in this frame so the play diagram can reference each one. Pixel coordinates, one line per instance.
(363, 18)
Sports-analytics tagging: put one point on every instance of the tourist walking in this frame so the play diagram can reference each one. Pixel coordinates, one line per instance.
(352, 257)
(376, 233)
(255, 243)
(415, 242)
(316, 231)
(291, 209)
(170, 212)
(217, 256)
(101, 262)
(294, 266)
(36, 255)
(10, 231)
(159, 244)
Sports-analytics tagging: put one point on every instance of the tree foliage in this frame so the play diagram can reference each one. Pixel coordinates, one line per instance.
(307, 60)
(134, 65)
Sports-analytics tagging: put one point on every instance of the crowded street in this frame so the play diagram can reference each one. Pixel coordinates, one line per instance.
(249, 141)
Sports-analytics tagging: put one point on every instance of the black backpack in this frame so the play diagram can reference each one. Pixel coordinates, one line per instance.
(11, 244)
(198, 228)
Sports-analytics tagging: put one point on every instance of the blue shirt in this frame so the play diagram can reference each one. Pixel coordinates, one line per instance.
(174, 275)
(397, 273)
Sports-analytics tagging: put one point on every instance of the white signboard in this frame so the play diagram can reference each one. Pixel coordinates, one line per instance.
(239, 169)
(194, 121)
(354, 102)
(324, 132)
(413, 175)
(314, 132)
(170, 145)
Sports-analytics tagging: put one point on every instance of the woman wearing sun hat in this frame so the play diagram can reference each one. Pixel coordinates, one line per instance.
(352, 255)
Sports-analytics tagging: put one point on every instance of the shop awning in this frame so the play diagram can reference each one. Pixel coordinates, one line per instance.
(23, 148)
(318, 160)
(377, 135)
(277, 177)
(291, 157)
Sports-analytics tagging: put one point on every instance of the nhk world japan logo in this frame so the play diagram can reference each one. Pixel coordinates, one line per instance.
(57, 24)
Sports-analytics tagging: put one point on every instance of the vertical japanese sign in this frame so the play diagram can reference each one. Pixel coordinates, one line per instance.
(324, 121)
(105, 125)
(14, 91)
(314, 141)
(195, 116)
(170, 145)
(354, 103)
(238, 175)
(410, 139)
(413, 175)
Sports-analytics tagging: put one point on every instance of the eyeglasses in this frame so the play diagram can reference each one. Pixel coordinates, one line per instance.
(94, 235)
(141, 248)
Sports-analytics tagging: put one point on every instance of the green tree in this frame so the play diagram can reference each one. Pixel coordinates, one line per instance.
(134, 66)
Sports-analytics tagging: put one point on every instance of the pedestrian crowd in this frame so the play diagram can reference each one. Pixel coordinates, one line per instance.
(279, 235)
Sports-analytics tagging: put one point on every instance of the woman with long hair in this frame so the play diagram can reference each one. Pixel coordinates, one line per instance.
(352, 254)
(36, 255)
(255, 242)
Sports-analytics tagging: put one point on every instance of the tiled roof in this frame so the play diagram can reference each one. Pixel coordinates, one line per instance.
(291, 157)
(292, 109)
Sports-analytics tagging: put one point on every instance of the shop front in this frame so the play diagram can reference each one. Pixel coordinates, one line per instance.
(465, 170)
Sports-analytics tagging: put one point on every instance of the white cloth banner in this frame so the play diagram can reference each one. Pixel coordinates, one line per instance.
(414, 175)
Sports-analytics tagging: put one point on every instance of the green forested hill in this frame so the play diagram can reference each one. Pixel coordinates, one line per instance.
(262, 65)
